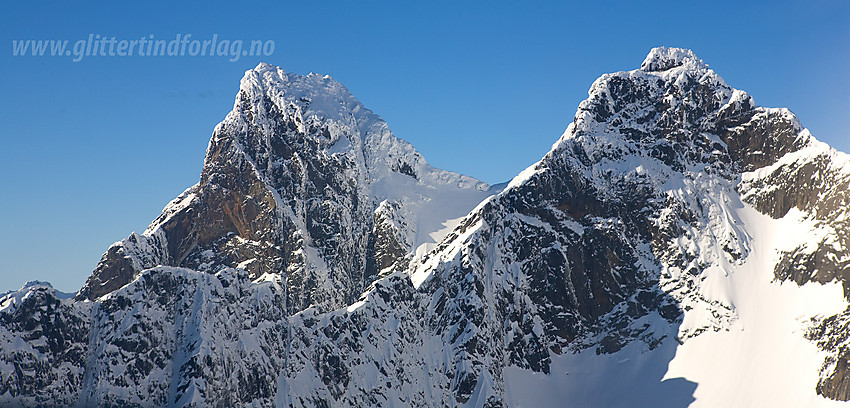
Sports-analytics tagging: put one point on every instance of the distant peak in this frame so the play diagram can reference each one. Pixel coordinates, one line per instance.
(35, 283)
(664, 58)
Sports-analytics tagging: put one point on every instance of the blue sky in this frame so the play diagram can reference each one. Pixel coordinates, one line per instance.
(93, 150)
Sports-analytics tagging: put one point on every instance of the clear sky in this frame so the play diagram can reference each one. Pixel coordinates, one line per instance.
(93, 150)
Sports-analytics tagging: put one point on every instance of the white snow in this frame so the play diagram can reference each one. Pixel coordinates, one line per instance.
(435, 208)
(629, 378)
(763, 359)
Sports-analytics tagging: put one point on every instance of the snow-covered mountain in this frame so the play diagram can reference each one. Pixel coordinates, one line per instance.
(678, 246)
(301, 183)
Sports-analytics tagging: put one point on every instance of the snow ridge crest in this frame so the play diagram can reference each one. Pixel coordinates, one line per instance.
(664, 58)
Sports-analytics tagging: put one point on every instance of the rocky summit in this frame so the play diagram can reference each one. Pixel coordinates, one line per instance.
(678, 246)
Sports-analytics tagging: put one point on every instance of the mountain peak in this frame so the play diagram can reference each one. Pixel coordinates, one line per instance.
(314, 93)
(272, 76)
(664, 58)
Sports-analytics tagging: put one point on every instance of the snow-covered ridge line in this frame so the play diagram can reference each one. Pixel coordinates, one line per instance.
(721, 239)
(320, 96)
(814, 149)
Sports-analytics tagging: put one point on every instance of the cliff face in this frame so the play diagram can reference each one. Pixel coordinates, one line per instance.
(301, 184)
(321, 262)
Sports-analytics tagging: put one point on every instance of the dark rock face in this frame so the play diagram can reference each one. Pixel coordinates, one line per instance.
(289, 276)
(761, 137)
(832, 334)
(122, 261)
(388, 245)
(113, 271)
